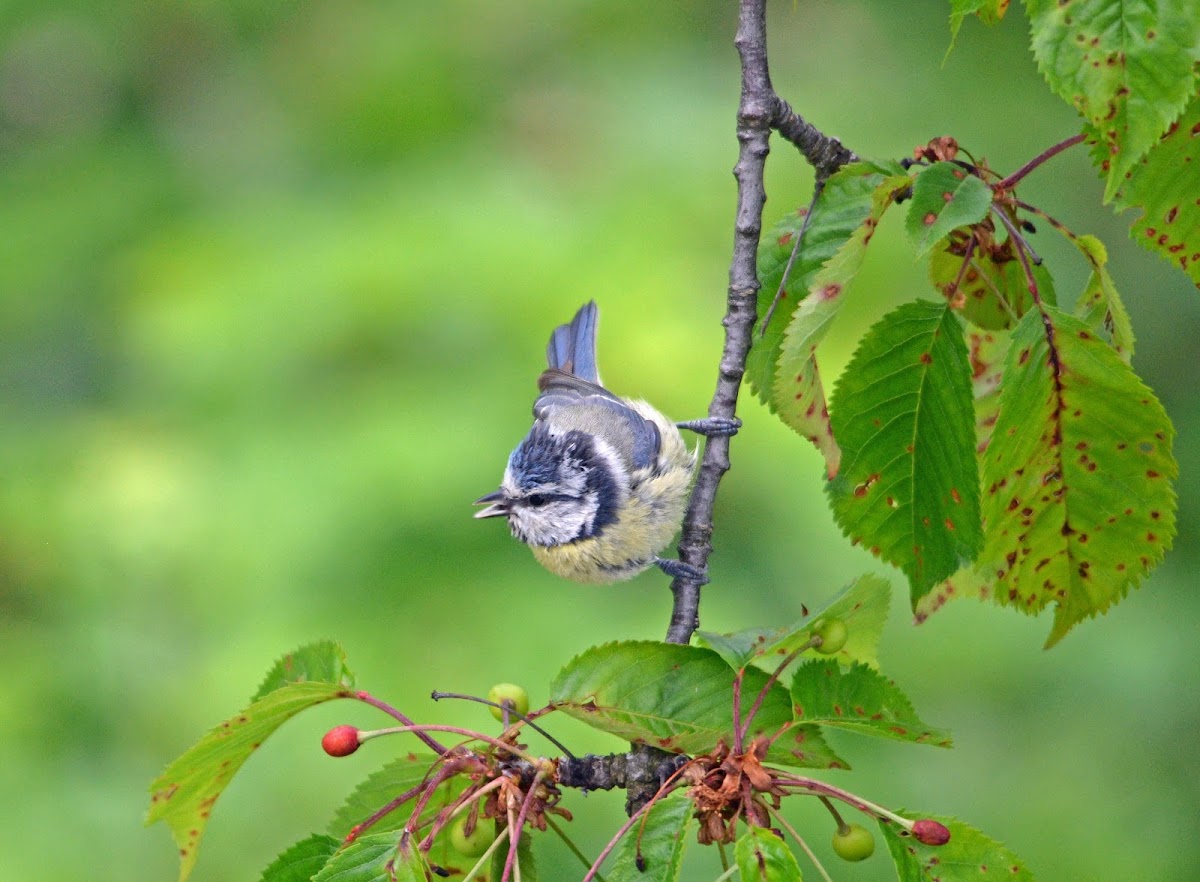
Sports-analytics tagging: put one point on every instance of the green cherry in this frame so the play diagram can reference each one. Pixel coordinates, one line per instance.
(853, 843)
(833, 633)
(512, 695)
(476, 843)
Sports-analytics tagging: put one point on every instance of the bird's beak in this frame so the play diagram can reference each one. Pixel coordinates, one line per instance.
(496, 506)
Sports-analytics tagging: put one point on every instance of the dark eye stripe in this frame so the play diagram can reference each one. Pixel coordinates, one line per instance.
(539, 499)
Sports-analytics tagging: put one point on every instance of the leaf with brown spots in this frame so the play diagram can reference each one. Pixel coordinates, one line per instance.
(909, 484)
(184, 794)
(945, 196)
(763, 856)
(988, 11)
(798, 395)
(1100, 306)
(969, 856)
(1078, 504)
(1165, 187)
(861, 700)
(986, 351)
(1126, 67)
(679, 698)
(862, 605)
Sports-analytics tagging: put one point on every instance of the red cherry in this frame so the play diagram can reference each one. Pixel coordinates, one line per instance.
(340, 741)
(931, 832)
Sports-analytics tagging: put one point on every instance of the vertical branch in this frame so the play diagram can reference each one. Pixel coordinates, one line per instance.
(756, 111)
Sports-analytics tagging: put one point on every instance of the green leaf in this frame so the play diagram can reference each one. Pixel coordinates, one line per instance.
(862, 605)
(909, 485)
(367, 859)
(381, 787)
(969, 856)
(1100, 306)
(993, 292)
(861, 700)
(324, 661)
(989, 12)
(184, 794)
(679, 698)
(663, 840)
(1078, 504)
(1164, 186)
(762, 856)
(839, 210)
(1126, 67)
(945, 196)
(798, 395)
(302, 861)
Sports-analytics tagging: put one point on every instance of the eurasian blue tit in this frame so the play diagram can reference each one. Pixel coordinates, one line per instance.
(598, 486)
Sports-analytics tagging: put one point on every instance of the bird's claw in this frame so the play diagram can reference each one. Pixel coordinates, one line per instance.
(677, 569)
(712, 427)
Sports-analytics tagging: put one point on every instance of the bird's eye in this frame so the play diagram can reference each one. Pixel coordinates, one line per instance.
(537, 499)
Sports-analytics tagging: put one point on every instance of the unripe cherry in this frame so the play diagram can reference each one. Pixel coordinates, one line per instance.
(833, 633)
(853, 842)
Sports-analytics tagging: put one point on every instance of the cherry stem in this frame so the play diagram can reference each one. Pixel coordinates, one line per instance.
(516, 832)
(395, 714)
(463, 803)
(357, 829)
(782, 821)
(570, 844)
(737, 710)
(429, 788)
(820, 788)
(612, 843)
(526, 718)
(467, 733)
(787, 270)
(740, 736)
(1022, 248)
(486, 857)
(962, 270)
(842, 826)
(1049, 153)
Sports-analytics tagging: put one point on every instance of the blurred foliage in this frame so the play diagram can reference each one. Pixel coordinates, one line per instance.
(275, 282)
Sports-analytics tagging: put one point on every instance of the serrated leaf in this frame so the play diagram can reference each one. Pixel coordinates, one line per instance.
(945, 196)
(184, 794)
(909, 485)
(989, 12)
(1078, 504)
(762, 856)
(679, 698)
(859, 699)
(1126, 67)
(376, 858)
(862, 605)
(1100, 306)
(992, 294)
(839, 210)
(323, 661)
(302, 861)
(798, 395)
(663, 840)
(1165, 187)
(969, 856)
(387, 783)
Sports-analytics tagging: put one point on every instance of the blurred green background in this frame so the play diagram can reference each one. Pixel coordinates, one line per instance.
(276, 280)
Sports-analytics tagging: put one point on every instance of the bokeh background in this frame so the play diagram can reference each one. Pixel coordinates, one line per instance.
(275, 282)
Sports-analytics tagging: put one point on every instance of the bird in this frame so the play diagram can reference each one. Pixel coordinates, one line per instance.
(598, 487)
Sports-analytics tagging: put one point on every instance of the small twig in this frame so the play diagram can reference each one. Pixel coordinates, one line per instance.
(357, 829)
(1049, 153)
(1020, 246)
(824, 153)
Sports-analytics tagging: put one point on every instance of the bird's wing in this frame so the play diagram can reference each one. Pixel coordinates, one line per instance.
(569, 402)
